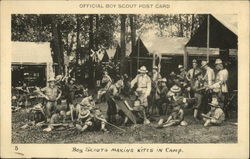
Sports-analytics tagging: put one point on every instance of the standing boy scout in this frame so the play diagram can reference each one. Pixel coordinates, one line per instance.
(51, 94)
(143, 85)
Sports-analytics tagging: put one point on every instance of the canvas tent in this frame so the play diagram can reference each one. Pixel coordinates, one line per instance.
(222, 37)
(171, 50)
(34, 57)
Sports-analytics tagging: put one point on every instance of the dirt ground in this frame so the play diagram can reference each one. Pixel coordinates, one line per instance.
(192, 133)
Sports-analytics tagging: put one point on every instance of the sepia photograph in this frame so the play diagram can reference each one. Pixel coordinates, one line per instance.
(124, 78)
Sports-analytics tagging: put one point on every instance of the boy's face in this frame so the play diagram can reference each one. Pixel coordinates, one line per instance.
(154, 71)
(213, 108)
(52, 83)
(194, 65)
(177, 94)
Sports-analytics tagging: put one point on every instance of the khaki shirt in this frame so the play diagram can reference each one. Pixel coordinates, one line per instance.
(221, 79)
(107, 80)
(192, 72)
(51, 93)
(218, 115)
(156, 76)
(143, 82)
(209, 76)
(113, 91)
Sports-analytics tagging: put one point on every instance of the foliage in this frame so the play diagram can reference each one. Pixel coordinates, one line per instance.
(71, 32)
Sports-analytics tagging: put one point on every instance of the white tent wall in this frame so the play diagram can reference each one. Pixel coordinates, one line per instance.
(32, 53)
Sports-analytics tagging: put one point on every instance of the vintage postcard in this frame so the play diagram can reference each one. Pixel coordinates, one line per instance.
(125, 79)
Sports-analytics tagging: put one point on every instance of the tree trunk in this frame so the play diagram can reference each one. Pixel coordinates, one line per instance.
(187, 26)
(70, 45)
(192, 25)
(91, 34)
(77, 39)
(123, 43)
(133, 31)
(181, 26)
(56, 45)
(97, 32)
(91, 45)
(61, 52)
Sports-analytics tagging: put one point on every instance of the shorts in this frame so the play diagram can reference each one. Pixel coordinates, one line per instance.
(112, 110)
(198, 100)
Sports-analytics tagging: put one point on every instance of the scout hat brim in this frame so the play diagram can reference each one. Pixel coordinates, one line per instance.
(214, 105)
(175, 89)
(51, 79)
(203, 64)
(84, 115)
(143, 69)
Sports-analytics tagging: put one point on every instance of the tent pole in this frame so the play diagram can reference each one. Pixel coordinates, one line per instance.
(153, 61)
(138, 51)
(208, 30)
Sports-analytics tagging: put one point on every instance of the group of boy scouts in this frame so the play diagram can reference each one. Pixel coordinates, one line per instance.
(154, 95)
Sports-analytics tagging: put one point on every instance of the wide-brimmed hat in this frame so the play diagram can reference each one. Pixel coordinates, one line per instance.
(84, 113)
(172, 74)
(119, 83)
(143, 69)
(214, 103)
(58, 77)
(155, 68)
(51, 79)
(180, 66)
(175, 89)
(203, 63)
(218, 61)
(194, 61)
(162, 80)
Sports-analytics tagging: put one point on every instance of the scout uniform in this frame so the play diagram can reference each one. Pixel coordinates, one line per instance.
(209, 75)
(52, 94)
(112, 93)
(139, 112)
(156, 75)
(106, 81)
(182, 74)
(162, 92)
(70, 92)
(220, 86)
(84, 120)
(216, 115)
(175, 99)
(193, 71)
(198, 88)
(143, 85)
(175, 118)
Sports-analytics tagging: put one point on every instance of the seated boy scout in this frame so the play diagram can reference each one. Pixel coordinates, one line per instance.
(215, 116)
(175, 118)
(91, 121)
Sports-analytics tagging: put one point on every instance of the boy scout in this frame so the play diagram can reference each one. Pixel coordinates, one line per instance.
(143, 85)
(215, 116)
(51, 94)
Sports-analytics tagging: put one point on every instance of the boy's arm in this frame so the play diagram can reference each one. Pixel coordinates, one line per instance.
(132, 83)
(59, 95)
(42, 94)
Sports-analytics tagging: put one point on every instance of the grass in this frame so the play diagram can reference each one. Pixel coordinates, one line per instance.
(192, 133)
